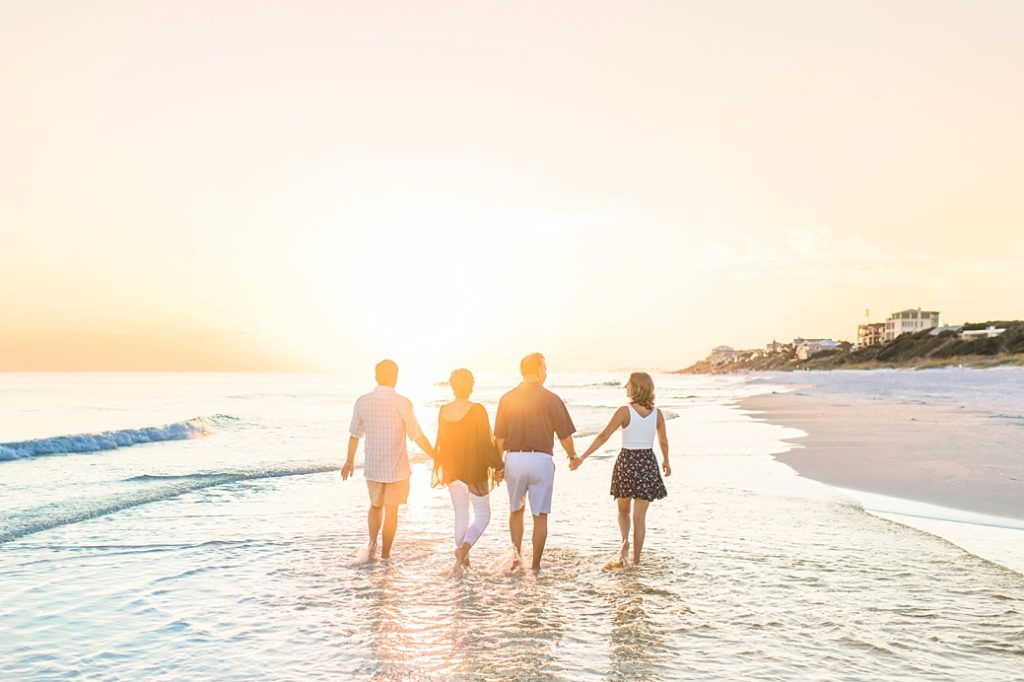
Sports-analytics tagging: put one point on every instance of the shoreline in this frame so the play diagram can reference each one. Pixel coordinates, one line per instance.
(933, 454)
(826, 365)
(936, 468)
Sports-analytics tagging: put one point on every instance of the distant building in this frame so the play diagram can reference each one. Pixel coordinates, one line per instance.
(774, 347)
(985, 333)
(805, 348)
(908, 322)
(722, 355)
(956, 328)
(871, 334)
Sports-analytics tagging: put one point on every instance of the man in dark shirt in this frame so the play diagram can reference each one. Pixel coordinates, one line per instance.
(529, 417)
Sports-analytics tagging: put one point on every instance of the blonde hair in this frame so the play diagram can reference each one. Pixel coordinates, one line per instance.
(643, 389)
(461, 381)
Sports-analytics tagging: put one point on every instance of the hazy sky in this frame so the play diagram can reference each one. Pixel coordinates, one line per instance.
(270, 185)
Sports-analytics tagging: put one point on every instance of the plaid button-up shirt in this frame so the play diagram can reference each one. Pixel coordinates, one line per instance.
(386, 419)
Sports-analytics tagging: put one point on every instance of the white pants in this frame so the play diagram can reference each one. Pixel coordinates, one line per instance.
(461, 500)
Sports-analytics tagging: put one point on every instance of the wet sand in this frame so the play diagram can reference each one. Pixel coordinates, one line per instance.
(942, 455)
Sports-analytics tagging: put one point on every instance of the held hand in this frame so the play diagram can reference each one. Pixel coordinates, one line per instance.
(499, 476)
(347, 470)
(666, 468)
(575, 463)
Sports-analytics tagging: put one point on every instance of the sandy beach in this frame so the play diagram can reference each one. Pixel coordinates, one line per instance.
(938, 454)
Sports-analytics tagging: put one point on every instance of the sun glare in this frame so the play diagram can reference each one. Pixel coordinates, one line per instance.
(423, 289)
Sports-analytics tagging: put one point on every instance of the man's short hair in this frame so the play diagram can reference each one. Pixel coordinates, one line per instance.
(386, 372)
(531, 364)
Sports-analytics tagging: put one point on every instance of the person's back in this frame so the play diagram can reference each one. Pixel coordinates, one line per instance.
(528, 420)
(531, 418)
(636, 481)
(385, 419)
(465, 448)
(639, 433)
(467, 463)
(380, 416)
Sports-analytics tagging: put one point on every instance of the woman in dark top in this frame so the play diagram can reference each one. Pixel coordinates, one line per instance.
(467, 462)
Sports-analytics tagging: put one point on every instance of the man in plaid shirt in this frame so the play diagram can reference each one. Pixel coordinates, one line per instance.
(386, 419)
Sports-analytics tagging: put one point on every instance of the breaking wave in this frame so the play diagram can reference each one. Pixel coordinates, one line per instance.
(198, 427)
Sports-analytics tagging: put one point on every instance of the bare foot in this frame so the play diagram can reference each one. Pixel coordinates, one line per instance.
(624, 552)
(517, 560)
(366, 556)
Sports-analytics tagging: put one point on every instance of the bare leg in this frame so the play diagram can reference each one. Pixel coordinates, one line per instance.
(390, 526)
(639, 527)
(623, 504)
(515, 528)
(461, 557)
(540, 537)
(373, 518)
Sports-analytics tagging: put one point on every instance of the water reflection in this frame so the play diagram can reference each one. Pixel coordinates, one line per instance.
(638, 646)
(412, 628)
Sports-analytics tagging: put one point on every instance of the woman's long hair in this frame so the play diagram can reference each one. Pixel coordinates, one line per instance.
(643, 389)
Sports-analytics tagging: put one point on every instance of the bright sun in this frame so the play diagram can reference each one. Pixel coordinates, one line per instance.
(431, 291)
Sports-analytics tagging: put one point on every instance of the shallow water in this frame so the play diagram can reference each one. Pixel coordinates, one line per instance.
(749, 571)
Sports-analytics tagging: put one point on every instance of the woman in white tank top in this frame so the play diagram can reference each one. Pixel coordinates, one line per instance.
(636, 481)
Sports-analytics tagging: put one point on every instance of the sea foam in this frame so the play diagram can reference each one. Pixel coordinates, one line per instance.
(106, 440)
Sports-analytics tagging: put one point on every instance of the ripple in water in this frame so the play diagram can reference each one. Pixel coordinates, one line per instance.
(734, 585)
(183, 560)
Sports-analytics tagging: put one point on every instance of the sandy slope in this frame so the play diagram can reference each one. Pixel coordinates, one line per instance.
(936, 454)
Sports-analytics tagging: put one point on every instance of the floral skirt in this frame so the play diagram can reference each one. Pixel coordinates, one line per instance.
(637, 475)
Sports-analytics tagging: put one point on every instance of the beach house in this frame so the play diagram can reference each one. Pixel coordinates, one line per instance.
(805, 348)
(722, 355)
(986, 333)
(952, 328)
(908, 322)
(871, 334)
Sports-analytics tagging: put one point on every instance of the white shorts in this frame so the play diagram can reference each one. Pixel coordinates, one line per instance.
(530, 474)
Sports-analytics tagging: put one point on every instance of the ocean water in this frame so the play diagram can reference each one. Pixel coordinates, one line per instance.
(196, 527)
(996, 393)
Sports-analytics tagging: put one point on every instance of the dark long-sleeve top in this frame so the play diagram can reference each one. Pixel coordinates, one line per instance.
(466, 452)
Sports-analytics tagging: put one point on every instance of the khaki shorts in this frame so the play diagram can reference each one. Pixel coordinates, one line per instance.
(388, 494)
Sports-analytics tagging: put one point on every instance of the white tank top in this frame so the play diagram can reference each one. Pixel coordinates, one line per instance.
(639, 434)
